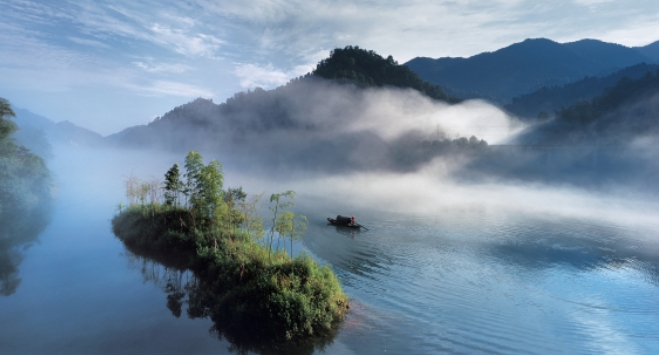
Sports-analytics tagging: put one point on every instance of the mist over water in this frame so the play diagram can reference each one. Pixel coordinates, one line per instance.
(458, 256)
(320, 128)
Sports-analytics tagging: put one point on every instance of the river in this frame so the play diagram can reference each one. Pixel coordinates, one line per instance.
(469, 278)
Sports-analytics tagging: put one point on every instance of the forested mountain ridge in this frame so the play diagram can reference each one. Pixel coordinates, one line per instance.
(609, 140)
(550, 99)
(525, 67)
(626, 91)
(368, 69)
(625, 112)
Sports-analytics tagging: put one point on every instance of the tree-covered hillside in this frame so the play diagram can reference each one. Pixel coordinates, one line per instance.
(623, 113)
(369, 69)
(550, 99)
(626, 91)
(331, 119)
(605, 142)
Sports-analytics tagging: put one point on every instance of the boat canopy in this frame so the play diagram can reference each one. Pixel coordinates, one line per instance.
(343, 219)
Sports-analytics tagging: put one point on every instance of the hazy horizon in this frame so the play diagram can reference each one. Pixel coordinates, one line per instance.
(106, 66)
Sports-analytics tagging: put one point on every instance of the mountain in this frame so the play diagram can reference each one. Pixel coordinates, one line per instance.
(349, 70)
(606, 56)
(368, 69)
(607, 142)
(622, 114)
(550, 99)
(36, 132)
(355, 110)
(651, 50)
(525, 67)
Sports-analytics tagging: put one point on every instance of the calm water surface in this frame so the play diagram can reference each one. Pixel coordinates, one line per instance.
(456, 280)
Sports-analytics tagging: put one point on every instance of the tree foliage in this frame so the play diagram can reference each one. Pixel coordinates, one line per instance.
(278, 209)
(173, 185)
(369, 69)
(7, 127)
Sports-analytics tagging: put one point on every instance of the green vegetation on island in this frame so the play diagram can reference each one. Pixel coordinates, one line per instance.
(25, 200)
(248, 284)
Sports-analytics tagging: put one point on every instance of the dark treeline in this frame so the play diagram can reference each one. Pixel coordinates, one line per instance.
(411, 151)
(626, 91)
(542, 103)
(25, 200)
(368, 69)
(622, 113)
(257, 294)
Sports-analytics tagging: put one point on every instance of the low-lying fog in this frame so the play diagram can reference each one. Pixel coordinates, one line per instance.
(316, 130)
(441, 181)
(467, 251)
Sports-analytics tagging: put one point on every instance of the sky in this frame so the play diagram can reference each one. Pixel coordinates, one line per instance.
(108, 65)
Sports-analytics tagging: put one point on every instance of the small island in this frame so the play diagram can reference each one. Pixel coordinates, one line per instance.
(252, 289)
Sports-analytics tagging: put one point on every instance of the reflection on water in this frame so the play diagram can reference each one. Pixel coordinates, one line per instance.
(346, 231)
(457, 280)
(20, 229)
(484, 281)
(187, 291)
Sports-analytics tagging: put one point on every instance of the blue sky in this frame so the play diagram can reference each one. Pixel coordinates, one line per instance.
(107, 65)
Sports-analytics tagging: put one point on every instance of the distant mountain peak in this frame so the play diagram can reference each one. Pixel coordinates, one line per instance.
(526, 66)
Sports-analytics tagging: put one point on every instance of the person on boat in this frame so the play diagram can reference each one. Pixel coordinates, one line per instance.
(352, 220)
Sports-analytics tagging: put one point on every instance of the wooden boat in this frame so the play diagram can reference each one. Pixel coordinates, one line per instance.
(343, 221)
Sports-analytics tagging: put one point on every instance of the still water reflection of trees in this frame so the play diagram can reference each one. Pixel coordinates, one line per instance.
(25, 200)
(20, 230)
(186, 291)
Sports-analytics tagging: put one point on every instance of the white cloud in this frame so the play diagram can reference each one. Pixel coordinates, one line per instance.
(172, 88)
(591, 2)
(89, 42)
(198, 44)
(163, 67)
(267, 76)
(123, 21)
(423, 27)
(645, 31)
